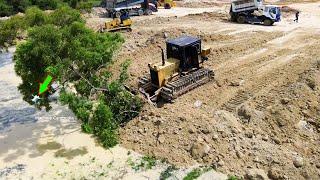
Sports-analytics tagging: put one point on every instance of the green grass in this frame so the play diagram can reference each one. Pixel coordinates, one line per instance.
(197, 172)
(233, 178)
(167, 173)
(145, 163)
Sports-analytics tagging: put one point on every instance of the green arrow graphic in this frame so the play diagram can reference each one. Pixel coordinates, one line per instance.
(44, 86)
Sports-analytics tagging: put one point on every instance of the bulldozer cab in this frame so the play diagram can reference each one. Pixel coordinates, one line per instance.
(187, 50)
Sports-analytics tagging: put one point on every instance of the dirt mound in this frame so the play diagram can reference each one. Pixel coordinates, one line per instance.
(208, 16)
(261, 114)
(199, 4)
(248, 118)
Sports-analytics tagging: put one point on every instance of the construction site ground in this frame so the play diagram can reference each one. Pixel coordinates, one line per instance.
(261, 114)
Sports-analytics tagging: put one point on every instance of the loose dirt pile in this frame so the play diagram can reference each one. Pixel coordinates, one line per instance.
(261, 115)
(201, 3)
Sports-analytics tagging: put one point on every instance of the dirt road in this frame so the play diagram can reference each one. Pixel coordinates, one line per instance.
(262, 112)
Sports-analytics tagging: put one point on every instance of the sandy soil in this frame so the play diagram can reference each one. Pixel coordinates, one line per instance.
(259, 118)
(262, 112)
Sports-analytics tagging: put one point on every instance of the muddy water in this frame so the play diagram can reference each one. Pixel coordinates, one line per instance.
(13, 110)
(25, 131)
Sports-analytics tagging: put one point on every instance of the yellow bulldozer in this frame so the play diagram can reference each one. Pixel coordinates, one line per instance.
(167, 4)
(124, 22)
(179, 73)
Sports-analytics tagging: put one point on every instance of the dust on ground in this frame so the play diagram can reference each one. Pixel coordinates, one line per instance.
(260, 117)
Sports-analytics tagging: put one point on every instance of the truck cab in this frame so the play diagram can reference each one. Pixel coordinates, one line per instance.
(254, 12)
(272, 12)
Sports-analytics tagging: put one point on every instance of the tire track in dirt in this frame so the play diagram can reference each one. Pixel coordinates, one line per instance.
(267, 71)
(267, 59)
(270, 57)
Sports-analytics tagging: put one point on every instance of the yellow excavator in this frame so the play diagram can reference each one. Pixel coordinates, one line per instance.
(124, 22)
(181, 72)
(167, 4)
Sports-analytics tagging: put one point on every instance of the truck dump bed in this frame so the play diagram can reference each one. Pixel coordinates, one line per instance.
(245, 5)
(113, 4)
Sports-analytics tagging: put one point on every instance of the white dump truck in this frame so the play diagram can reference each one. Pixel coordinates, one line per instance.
(254, 12)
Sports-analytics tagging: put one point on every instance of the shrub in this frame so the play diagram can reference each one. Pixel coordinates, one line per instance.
(35, 17)
(197, 172)
(167, 173)
(85, 6)
(46, 4)
(65, 16)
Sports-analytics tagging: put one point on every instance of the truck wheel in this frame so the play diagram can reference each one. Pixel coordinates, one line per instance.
(117, 14)
(267, 22)
(140, 12)
(233, 18)
(167, 6)
(241, 19)
(148, 12)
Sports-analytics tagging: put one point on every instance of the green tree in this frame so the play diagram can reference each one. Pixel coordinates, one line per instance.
(9, 30)
(5, 9)
(59, 44)
(19, 5)
(34, 56)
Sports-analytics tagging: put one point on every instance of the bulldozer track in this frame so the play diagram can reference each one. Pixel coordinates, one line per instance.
(184, 84)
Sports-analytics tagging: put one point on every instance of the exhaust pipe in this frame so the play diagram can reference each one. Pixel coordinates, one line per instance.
(163, 61)
(162, 53)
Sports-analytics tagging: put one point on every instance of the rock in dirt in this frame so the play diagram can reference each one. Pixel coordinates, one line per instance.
(198, 104)
(285, 101)
(265, 137)
(303, 125)
(276, 140)
(215, 137)
(206, 130)
(245, 111)
(220, 163)
(248, 113)
(237, 83)
(161, 139)
(239, 154)
(298, 161)
(275, 174)
(227, 117)
(256, 174)
(199, 149)
(165, 35)
(182, 119)
(192, 130)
